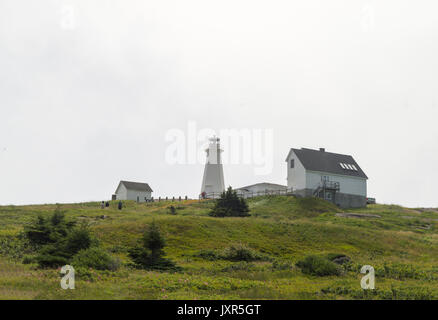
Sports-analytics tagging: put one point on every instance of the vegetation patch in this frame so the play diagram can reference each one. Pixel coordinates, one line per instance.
(235, 252)
(283, 230)
(149, 253)
(230, 205)
(319, 266)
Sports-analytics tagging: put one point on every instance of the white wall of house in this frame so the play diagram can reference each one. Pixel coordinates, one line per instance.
(124, 194)
(296, 176)
(121, 192)
(133, 194)
(348, 184)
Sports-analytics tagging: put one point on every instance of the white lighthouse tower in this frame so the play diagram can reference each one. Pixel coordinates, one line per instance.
(213, 181)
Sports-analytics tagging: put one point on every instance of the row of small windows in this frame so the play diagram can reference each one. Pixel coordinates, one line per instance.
(347, 166)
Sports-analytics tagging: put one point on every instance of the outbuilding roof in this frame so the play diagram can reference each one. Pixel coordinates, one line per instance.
(323, 161)
(279, 186)
(137, 186)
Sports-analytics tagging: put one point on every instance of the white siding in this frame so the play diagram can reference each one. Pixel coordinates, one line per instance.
(133, 194)
(348, 185)
(124, 194)
(296, 177)
(121, 192)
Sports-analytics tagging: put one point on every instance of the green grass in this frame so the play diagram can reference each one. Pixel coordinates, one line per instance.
(401, 245)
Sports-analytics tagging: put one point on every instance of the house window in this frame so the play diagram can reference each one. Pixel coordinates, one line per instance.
(292, 163)
(328, 196)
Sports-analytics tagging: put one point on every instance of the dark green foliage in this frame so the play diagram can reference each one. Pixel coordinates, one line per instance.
(150, 254)
(240, 252)
(210, 255)
(52, 256)
(95, 258)
(172, 210)
(61, 252)
(57, 240)
(319, 266)
(48, 230)
(78, 239)
(230, 205)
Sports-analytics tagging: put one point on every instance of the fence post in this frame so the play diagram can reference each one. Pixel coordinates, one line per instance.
(186, 197)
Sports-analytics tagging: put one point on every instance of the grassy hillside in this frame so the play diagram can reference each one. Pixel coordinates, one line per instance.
(401, 245)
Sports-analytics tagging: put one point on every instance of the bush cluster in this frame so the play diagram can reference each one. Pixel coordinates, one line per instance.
(149, 253)
(230, 205)
(59, 242)
(319, 266)
(240, 252)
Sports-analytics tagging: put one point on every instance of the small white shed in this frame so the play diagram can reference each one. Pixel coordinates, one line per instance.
(137, 191)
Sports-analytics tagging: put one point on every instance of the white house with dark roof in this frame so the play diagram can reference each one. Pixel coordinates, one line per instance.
(331, 176)
(137, 191)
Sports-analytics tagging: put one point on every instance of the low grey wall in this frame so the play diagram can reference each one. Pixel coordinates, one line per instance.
(342, 200)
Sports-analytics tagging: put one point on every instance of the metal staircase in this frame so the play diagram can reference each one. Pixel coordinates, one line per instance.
(325, 186)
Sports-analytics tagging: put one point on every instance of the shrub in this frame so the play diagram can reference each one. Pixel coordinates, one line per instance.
(150, 254)
(318, 266)
(48, 230)
(240, 252)
(210, 255)
(57, 240)
(230, 205)
(77, 240)
(95, 258)
(52, 255)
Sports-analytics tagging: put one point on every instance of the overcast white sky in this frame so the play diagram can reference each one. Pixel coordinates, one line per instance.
(89, 89)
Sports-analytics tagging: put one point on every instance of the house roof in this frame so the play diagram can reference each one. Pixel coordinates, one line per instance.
(257, 184)
(137, 186)
(323, 161)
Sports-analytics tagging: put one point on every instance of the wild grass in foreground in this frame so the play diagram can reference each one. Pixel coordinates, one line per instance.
(255, 257)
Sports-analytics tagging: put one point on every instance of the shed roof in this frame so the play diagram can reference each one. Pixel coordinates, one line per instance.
(137, 186)
(279, 186)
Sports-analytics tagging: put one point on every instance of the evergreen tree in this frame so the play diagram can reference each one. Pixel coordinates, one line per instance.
(57, 239)
(230, 205)
(150, 255)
